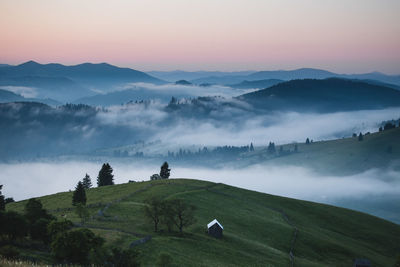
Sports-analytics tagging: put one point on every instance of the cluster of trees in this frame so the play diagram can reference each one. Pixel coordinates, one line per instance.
(165, 172)
(169, 213)
(67, 243)
(220, 151)
(388, 126)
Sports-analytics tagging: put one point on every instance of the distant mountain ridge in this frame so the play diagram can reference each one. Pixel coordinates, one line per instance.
(303, 73)
(328, 95)
(80, 72)
(67, 83)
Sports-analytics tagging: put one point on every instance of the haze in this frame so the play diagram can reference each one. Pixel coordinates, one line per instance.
(338, 35)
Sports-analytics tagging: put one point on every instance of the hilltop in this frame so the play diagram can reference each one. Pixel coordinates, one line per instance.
(259, 229)
(328, 95)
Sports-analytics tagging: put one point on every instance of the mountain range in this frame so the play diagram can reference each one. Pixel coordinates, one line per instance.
(303, 73)
(67, 83)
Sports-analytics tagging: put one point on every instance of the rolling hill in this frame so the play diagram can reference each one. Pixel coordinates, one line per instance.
(67, 83)
(259, 229)
(328, 95)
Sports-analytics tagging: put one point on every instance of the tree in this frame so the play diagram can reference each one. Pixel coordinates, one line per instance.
(34, 211)
(307, 141)
(271, 148)
(79, 196)
(82, 212)
(9, 200)
(360, 137)
(87, 182)
(13, 225)
(58, 227)
(155, 177)
(251, 147)
(165, 172)
(38, 230)
(105, 176)
(2, 201)
(183, 213)
(74, 246)
(153, 211)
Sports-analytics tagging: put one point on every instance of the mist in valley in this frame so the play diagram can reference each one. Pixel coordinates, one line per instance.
(377, 186)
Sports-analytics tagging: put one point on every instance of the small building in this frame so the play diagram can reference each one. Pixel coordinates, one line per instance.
(215, 229)
(362, 263)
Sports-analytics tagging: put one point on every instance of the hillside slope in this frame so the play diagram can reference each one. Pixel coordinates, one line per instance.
(259, 229)
(327, 95)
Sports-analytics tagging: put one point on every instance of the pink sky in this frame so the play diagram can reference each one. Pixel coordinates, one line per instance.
(338, 35)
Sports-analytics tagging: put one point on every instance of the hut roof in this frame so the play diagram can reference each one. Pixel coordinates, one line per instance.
(214, 222)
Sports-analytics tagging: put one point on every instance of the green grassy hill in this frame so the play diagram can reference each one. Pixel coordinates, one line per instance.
(260, 229)
(340, 156)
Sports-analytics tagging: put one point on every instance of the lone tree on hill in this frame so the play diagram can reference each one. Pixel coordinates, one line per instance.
(79, 196)
(183, 213)
(2, 201)
(165, 171)
(105, 175)
(360, 137)
(87, 182)
(153, 211)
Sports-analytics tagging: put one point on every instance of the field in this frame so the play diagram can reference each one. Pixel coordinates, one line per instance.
(259, 229)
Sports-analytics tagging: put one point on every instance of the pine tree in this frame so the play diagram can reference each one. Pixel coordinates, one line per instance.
(2, 201)
(165, 172)
(271, 148)
(360, 137)
(87, 182)
(105, 176)
(251, 147)
(79, 196)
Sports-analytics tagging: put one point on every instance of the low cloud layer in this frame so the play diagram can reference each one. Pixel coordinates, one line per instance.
(234, 126)
(27, 92)
(46, 178)
(189, 90)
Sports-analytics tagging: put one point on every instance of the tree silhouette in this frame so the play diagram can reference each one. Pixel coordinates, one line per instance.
(2, 201)
(165, 171)
(271, 148)
(251, 147)
(105, 176)
(153, 211)
(87, 182)
(360, 137)
(79, 196)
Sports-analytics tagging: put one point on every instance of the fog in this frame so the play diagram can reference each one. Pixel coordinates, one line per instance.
(37, 179)
(27, 92)
(234, 125)
(189, 90)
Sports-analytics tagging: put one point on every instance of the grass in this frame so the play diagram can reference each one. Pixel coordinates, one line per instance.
(344, 156)
(258, 227)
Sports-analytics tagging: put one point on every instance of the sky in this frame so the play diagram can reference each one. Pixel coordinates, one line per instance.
(345, 36)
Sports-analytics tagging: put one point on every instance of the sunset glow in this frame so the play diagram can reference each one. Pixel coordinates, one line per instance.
(342, 36)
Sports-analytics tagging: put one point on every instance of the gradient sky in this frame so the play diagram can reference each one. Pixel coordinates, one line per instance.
(339, 35)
